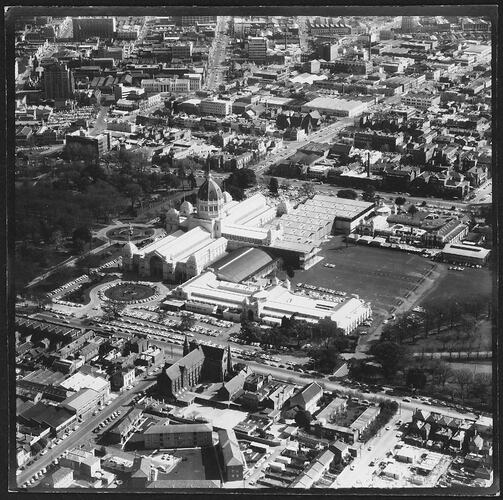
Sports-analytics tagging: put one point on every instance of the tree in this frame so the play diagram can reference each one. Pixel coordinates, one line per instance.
(369, 194)
(416, 378)
(347, 193)
(57, 238)
(412, 210)
(104, 348)
(187, 322)
(467, 323)
(325, 359)
(463, 378)
(482, 386)
(400, 200)
(133, 192)
(82, 233)
(81, 236)
(391, 356)
(273, 186)
(307, 189)
(236, 192)
(303, 419)
(243, 178)
(112, 311)
(441, 372)
(192, 180)
(89, 261)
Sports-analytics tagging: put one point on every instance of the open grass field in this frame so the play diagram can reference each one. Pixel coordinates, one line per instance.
(380, 276)
(461, 284)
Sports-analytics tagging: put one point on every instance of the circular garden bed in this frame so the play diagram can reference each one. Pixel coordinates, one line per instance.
(124, 233)
(129, 292)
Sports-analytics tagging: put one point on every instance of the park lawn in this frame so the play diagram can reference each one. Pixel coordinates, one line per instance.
(461, 284)
(380, 276)
(474, 366)
(434, 342)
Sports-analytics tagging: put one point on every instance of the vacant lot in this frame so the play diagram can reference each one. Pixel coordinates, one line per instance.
(380, 276)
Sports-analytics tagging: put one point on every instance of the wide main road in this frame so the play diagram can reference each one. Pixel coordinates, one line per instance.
(175, 352)
(82, 434)
(324, 134)
(290, 376)
(331, 189)
(217, 52)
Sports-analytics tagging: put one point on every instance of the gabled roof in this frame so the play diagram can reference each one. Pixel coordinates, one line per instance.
(306, 395)
(230, 448)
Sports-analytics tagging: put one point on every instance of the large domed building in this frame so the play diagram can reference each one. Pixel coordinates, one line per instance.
(210, 199)
(201, 235)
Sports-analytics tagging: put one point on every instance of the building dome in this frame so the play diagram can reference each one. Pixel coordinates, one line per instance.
(210, 200)
(129, 249)
(227, 197)
(383, 210)
(210, 191)
(186, 208)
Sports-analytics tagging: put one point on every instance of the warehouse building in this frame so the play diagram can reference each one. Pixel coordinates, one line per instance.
(335, 107)
(466, 254)
(244, 264)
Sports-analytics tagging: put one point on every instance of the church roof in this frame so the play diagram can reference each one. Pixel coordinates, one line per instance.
(193, 357)
(212, 352)
(210, 191)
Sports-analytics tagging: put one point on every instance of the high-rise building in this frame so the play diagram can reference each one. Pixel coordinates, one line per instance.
(58, 82)
(329, 51)
(257, 48)
(97, 144)
(409, 23)
(87, 27)
(193, 20)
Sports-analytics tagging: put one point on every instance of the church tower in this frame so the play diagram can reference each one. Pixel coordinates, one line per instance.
(229, 361)
(186, 347)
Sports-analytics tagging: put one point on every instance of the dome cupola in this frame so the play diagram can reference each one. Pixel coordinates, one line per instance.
(129, 250)
(210, 199)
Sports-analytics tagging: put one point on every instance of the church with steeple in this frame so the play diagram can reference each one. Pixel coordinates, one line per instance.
(199, 364)
(200, 235)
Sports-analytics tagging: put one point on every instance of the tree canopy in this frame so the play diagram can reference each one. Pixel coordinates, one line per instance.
(347, 193)
(243, 178)
(391, 356)
(273, 186)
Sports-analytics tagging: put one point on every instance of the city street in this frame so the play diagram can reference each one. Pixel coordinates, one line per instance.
(325, 134)
(84, 432)
(217, 53)
(360, 472)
